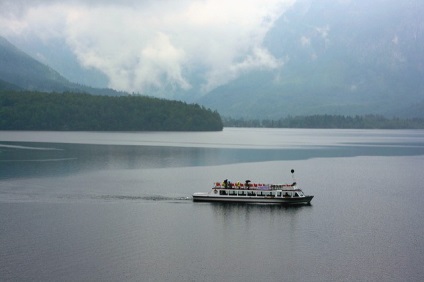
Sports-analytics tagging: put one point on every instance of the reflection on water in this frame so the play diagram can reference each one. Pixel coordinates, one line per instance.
(27, 159)
(224, 209)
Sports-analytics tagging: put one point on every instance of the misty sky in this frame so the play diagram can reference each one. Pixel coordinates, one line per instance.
(140, 44)
(145, 45)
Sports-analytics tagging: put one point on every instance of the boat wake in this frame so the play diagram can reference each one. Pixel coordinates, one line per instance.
(141, 198)
(40, 160)
(35, 197)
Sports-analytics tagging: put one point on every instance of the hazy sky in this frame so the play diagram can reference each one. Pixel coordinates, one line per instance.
(140, 44)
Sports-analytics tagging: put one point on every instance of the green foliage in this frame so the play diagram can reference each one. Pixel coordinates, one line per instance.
(331, 121)
(84, 112)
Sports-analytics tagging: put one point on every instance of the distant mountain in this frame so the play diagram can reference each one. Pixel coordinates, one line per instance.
(57, 54)
(20, 71)
(356, 57)
(8, 86)
(338, 58)
(17, 68)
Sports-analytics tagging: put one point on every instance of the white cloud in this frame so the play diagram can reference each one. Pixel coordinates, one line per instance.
(305, 41)
(395, 40)
(258, 59)
(144, 44)
(323, 31)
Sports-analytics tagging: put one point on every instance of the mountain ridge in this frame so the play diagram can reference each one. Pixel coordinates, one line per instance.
(18, 70)
(347, 60)
(337, 58)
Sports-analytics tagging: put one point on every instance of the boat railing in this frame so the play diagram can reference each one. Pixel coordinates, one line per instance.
(256, 186)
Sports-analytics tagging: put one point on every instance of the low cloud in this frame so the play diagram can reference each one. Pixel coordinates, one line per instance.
(305, 41)
(142, 45)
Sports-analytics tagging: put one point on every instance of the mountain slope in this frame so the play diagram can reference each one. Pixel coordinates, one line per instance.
(338, 57)
(20, 71)
(355, 58)
(8, 86)
(25, 105)
(25, 110)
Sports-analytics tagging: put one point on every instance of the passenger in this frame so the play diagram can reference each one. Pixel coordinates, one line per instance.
(238, 184)
(225, 183)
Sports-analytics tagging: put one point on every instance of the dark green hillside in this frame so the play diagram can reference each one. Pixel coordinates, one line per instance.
(84, 112)
(330, 121)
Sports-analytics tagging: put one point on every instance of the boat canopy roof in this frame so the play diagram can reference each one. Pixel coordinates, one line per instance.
(255, 186)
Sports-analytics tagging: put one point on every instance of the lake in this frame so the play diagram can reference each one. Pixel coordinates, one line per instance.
(106, 206)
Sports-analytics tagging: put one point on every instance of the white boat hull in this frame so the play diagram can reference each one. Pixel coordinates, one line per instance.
(206, 197)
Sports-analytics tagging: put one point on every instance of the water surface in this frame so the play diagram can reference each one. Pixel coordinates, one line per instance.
(116, 206)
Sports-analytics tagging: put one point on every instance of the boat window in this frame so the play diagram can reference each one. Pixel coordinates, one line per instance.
(241, 193)
(261, 194)
(296, 195)
(232, 193)
(279, 194)
(222, 192)
(251, 194)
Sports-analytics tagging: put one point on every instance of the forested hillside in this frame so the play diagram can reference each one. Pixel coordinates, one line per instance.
(70, 111)
(330, 121)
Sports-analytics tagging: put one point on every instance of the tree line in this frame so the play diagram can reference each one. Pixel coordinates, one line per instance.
(330, 121)
(25, 110)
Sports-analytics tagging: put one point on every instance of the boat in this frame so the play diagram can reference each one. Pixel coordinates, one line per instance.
(250, 192)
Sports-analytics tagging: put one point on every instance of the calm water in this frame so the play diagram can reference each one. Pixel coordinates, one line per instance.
(85, 206)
